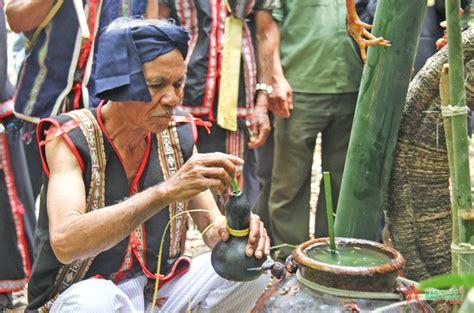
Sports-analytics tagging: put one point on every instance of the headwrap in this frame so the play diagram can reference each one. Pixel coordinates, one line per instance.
(121, 53)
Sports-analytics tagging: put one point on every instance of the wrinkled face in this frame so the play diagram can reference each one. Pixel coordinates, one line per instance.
(165, 78)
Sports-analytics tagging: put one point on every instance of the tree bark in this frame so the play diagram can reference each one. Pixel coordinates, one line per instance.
(418, 206)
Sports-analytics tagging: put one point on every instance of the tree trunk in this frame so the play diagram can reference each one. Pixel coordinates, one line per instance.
(418, 204)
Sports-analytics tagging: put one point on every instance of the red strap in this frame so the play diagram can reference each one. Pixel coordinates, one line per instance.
(180, 266)
(6, 108)
(56, 131)
(98, 276)
(15, 203)
(77, 90)
(85, 51)
(194, 122)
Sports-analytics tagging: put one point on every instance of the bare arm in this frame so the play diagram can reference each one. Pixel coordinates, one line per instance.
(266, 43)
(281, 102)
(151, 11)
(25, 15)
(164, 11)
(76, 235)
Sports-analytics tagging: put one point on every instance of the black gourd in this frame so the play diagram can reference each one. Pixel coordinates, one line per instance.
(228, 257)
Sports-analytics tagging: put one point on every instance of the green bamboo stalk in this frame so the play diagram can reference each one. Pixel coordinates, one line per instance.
(445, 100)
(377, 118)
(234, 185)
(329, 210)
(461, 187)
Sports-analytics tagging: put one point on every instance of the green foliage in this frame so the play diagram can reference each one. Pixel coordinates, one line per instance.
(447, 281)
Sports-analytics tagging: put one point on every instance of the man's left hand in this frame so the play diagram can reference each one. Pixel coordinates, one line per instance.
(259, 123)
(258, 243)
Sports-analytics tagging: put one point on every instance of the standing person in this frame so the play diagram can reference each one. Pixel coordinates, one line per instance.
(56, 74)
(205, 19)
(17, 215)
(116, 175)
(323, 66)
(281, 106)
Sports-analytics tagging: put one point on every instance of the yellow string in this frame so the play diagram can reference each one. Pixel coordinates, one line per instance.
(207, 228)
(189, 305)
(158, 265)
(282, 245)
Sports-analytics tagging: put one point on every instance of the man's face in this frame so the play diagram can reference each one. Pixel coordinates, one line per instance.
(165, 78)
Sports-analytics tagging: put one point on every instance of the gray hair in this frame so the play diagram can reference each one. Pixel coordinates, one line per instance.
(126, 22)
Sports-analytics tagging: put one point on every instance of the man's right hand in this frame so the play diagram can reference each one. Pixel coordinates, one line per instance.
(281, 102)
(201, 172)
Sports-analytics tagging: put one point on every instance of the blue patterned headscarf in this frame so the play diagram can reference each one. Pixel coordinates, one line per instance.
(123, 50)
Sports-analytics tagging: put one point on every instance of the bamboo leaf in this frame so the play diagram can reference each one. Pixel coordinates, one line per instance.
(446, 281)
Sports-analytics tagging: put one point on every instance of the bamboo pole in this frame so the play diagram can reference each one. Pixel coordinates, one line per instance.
(445, 100)
(377, 118)
(457, 111)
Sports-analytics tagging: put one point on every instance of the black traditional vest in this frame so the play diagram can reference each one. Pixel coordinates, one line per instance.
(106, 184)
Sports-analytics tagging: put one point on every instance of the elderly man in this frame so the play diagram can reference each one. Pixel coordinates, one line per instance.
(117, 175)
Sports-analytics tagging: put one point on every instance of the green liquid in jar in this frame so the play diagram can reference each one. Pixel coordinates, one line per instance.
(348, 255)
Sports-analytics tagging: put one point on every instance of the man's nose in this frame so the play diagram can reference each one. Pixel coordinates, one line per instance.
(171, 98)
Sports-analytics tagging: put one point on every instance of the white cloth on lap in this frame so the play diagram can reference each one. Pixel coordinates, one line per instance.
(200, 289)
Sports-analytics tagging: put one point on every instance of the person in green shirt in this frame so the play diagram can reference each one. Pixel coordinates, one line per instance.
(323, 66)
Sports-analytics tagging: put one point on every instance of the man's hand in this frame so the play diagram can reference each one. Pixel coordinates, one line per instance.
(217, 232)
(201, 172)
(267, 40)
(259, 123)
(281, 103)
(258, 243)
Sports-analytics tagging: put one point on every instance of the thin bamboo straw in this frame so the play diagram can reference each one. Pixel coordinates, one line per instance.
(329, 210)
